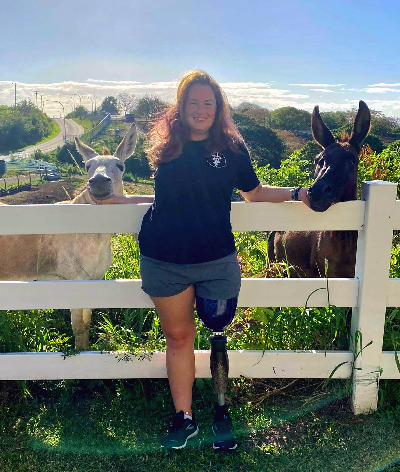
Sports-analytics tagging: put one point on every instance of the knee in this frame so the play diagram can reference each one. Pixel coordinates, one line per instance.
(180, 337)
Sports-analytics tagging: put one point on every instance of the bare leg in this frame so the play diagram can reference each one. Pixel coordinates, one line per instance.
(177, 322)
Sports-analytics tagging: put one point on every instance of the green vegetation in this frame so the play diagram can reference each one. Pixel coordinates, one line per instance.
(23, 125)
(79, 112)
(265, 146)
(87, 122)
(110, 105)
(148, 107)
(115, 426)
(290, 118)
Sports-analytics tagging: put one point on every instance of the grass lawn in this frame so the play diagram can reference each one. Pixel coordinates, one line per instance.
(116, 426)
(87, 123)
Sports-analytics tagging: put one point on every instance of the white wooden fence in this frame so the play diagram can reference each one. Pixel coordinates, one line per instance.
(369, 293)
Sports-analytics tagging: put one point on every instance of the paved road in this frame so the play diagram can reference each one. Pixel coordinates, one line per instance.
(72, 129)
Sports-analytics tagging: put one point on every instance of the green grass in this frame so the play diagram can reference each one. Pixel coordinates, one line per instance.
(115, 426)
(87, 123)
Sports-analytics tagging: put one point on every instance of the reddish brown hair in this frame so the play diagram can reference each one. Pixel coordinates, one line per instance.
(169, 133)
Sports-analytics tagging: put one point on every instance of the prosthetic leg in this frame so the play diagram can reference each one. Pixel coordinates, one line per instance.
(216, 315)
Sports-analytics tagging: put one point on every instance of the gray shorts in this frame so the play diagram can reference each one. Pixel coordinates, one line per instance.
(215, 280)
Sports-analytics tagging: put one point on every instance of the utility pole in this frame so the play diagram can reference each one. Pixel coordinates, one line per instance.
(15, 94)
(65, 129)
(36, 93)
(94, 94)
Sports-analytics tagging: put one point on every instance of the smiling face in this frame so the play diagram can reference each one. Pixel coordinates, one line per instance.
(200, 109)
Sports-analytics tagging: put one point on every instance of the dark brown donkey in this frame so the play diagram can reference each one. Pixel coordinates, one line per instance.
(335, 181)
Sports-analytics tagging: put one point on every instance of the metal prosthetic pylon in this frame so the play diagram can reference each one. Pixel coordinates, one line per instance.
(219, 365)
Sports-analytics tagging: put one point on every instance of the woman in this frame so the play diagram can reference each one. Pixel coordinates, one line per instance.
(186, 242)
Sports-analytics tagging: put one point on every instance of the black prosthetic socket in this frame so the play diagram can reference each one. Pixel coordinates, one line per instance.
(216, 314)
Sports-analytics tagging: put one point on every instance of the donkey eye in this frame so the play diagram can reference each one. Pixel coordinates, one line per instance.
(120, 167)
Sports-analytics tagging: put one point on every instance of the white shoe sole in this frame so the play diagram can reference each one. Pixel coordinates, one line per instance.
(191, 436)
(224, 448)
(216, 448)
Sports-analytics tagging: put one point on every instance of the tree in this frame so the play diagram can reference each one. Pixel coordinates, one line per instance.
(335, 119)
(290, 118)
(22, 125)
(149, 106)
(137, 164)
(109, 105)
(126, 102)
(381, 125)
(265, 145)
(261, 115)
(243, 107)
(80, 112)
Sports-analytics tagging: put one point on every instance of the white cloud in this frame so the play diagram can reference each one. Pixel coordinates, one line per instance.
(318, 85)
(385, 85)
(380, 90)
(323, 90)
(125, 82)
(266, 94)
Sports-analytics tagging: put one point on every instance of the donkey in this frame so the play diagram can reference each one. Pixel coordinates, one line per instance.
(71, 256)
(335, 181)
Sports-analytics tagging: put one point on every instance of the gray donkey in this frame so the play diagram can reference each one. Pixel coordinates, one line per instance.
(71, 256)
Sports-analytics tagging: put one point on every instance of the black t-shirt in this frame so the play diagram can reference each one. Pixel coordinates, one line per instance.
(189, 221)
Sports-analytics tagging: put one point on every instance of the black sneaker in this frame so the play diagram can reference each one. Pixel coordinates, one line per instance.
(223, 430)
(181, 430)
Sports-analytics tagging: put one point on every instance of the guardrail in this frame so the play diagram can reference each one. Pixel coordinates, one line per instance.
(96, 130)
(369, 293)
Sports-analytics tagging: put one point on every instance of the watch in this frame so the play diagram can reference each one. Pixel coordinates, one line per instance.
(295, 193)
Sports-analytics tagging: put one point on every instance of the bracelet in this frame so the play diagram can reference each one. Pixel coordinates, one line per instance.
(295, 193)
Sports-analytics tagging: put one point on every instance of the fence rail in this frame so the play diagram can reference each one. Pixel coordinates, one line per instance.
(369, 293)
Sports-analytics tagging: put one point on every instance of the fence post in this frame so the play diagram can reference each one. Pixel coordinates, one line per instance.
(372, 269)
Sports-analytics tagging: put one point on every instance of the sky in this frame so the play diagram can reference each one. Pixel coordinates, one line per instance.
(273, 53)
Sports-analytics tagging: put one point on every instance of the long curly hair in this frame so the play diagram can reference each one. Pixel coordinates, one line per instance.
(170, 132)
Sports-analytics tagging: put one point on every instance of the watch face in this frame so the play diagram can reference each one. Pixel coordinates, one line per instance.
(217, 160)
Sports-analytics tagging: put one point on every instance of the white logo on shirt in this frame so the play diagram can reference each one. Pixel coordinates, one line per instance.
(217, 160)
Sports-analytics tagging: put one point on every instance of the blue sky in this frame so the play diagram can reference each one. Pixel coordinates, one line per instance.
(298, 53)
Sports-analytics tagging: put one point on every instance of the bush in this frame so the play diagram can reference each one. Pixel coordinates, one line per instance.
(290, 118)
(375, 143)
(137, 164)
(294, 171)
(265, 145)
(22, 125)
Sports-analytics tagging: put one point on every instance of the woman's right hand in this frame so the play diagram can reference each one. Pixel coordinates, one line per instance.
(303, 196)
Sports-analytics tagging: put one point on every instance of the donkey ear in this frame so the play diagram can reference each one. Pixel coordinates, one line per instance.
(85, 151)
(320, 131)
(362, 125)
(127, 145)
